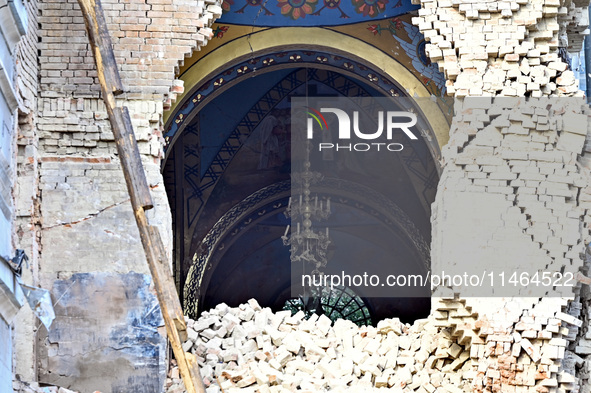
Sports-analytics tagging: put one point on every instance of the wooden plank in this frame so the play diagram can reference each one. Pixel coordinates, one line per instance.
(131, 161)
(168, 300)
(194, 370)
(133, 171)
(167, 283)
(98, 35)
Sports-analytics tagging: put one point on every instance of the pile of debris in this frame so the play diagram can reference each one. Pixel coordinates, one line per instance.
(252, 349)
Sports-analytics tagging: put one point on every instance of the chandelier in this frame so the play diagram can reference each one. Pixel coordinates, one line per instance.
(307, 244)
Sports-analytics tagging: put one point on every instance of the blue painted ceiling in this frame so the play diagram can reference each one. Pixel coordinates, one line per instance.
(221, 116)
(275, 13)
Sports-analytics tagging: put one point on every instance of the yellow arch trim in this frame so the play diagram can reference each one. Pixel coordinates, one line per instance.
(320, 39)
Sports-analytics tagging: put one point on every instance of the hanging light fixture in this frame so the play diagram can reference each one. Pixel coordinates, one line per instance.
(307, 244)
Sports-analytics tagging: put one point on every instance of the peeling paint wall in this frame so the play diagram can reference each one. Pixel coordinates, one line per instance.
(107, 335)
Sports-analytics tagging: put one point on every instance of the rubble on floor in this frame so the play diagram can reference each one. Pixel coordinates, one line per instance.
(252, 349)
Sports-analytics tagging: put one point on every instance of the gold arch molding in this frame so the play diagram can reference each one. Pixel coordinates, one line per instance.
(302, 38)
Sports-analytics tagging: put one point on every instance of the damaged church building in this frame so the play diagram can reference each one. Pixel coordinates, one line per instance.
(479, 207)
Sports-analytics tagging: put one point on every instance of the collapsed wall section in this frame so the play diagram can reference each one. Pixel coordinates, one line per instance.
(75, 216)
(252, 349)
(513, 196)
(514, 188)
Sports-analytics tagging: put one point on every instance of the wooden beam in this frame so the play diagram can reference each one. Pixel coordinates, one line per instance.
(98, 35)
(129, 155)
(139, 192)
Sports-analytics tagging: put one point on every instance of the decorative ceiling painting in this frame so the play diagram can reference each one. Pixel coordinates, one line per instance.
(405, 44)
(274, 13)
(395, 36)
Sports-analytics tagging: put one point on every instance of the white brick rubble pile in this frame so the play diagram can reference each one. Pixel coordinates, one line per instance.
(255, 350)
(252, 349)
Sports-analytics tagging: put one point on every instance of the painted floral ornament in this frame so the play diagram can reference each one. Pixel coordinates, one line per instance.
(296, 9)
(371, 8)
(227, 4)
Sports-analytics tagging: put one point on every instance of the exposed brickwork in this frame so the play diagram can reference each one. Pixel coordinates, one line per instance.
(506, 48)
(149, 40)
(85, 219)
(513, 179)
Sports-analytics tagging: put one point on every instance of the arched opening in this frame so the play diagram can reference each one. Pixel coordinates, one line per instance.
(228, 197)
(235, 198)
